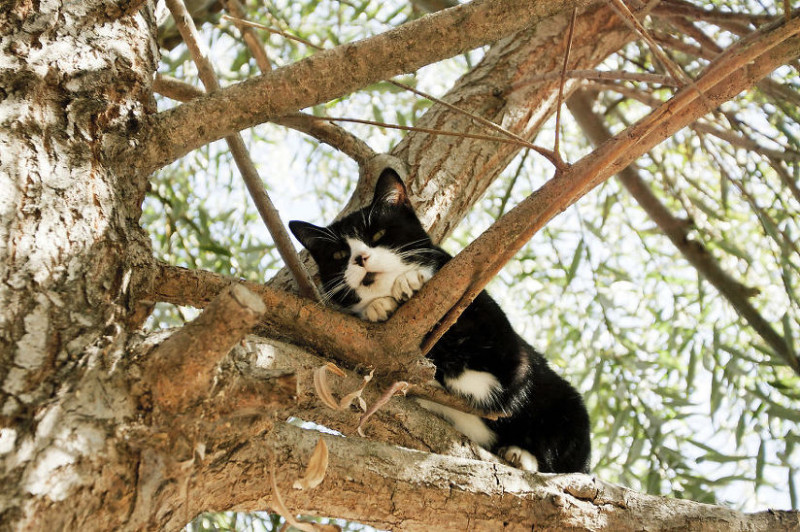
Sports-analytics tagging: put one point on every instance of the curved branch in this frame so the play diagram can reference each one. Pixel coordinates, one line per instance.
(327, 75)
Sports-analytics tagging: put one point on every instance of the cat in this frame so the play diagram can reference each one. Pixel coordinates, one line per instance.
(374, 259)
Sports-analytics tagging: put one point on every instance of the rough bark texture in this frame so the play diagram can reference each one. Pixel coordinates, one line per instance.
(92, 435)
(69, 241)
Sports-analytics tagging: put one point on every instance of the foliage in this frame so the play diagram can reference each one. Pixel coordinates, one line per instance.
(685, 398)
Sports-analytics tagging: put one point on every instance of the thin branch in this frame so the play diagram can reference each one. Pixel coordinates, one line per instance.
(602, 75)
(553, 156)
(675, 71)
(724, 19)
(176, 89)
(249, 36)
(698, 256)
(544, 152)
(331, 134)
(181, 369)
(563, 79)
(269, 214)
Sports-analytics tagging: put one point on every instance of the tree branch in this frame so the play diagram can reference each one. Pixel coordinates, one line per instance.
(698, 256)
(180, 370)
(269, 214)
(411, 490)
(328, 75)
(739, 68)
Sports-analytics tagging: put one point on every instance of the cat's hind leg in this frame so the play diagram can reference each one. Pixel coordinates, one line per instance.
(520, 458)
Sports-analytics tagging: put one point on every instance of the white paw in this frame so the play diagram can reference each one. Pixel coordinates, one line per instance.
(380, 309)
(519, 458)
(406, 284)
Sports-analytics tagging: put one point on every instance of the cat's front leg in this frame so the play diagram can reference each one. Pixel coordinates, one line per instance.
(407, 284)
(380, 309)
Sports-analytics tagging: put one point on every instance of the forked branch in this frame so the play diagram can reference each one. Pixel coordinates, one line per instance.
(181, 369)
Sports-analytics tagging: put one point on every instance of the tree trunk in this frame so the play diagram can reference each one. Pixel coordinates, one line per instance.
(70, 242)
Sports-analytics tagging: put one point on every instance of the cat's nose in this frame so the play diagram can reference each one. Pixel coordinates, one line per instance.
(361, 259)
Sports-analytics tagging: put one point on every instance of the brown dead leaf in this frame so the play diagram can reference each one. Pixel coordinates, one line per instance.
(321, 383)
(315, 470)
(281, 508)
(348, 399)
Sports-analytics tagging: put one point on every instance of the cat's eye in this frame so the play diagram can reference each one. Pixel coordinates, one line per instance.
(377, 236)
(339, 255)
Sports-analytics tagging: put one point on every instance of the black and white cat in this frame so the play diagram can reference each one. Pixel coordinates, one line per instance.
(374, 259)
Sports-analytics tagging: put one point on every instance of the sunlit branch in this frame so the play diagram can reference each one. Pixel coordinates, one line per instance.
(269, 214)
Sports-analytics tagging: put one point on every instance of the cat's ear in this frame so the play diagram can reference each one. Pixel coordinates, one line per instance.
(308, 234)
(390, 189)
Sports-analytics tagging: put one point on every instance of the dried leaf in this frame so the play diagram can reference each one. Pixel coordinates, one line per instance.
(321, 384)
(315, 470)
(348, 399)
(281, 508)
(397, 387)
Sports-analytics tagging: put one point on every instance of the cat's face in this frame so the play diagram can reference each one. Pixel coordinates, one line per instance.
(362, 255)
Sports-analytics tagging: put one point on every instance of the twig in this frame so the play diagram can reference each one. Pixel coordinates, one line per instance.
(603, 75)
(269, 214)
(675, 71)
(563, 79)
(242, 22)
(560, 165)
(397, 387)
(249, 36)
(553, 157)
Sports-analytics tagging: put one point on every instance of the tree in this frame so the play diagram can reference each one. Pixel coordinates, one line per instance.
(108, 426)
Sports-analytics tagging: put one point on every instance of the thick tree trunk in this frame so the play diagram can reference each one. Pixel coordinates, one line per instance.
(69, 241)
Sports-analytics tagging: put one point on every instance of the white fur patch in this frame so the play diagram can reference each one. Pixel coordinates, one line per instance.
(469, 425)
(479, 386)
(388, 269)
(520, 458)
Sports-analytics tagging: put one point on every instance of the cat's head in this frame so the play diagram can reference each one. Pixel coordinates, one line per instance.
(361, 255)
